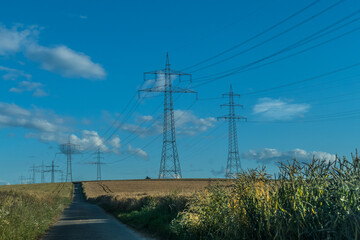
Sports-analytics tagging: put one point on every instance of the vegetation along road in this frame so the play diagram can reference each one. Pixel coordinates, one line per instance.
(84, 220)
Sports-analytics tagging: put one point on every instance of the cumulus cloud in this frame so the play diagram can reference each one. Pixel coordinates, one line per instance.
(138, 152)
(12, 115)
(270, 155)
(46, 126)
(155, 128)
(26, 86)
(65, 61)
(115, 142)
(58, 59)
(41, 124)
(89, 140)
(276, 109)
(14, 39)
(187, 123)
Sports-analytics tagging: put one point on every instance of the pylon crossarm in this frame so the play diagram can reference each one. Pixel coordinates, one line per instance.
(154, 89)
(182, 90)
(231, 105)
(231, 94)
(154, 72)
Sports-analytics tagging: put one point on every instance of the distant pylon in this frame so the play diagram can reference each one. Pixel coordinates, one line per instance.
(233, 162)
(62, 176)
(68, 149)
(34, 169)
(42, 172)
(52, 170)
(170, 164)
(98, 164)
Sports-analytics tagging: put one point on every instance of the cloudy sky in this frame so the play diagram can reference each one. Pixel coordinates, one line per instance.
(72, 70)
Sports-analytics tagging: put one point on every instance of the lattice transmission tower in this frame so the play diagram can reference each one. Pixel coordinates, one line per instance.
(34, 170)
(98, 164)
(233, 166)
(52, 169)
(169, 164)
(68, 149)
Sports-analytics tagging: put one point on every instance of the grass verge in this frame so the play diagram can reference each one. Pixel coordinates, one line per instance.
(27, 211)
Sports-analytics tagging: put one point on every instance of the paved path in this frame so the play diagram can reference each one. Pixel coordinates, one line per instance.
(86, 221)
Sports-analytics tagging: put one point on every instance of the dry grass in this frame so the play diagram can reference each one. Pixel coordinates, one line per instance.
(26, 211)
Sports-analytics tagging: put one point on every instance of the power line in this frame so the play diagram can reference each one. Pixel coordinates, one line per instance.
(253, 37)
(271, 38)
(342, 69)
(246, 67)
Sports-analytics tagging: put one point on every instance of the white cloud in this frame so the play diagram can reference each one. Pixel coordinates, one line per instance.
(65, 61)
(58, 59)
(268, 155)
(89, 140)
(154, 129)
(145, 119)
(13, 74)
(46, 126)
(34, 87)
(186, 123)
(276, 109)
(115, 142)
(83, 17)
(138, 152)
(12, 40)
(12, 115)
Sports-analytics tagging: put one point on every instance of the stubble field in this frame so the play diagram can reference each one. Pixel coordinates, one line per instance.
(151, 187)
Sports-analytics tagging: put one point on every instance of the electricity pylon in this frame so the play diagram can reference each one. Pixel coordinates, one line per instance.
(233, 162)
(34, 169)
(170, 164)
(68, 149)
(52, 170)
(42, 171)
(61, 176)
(98, 164)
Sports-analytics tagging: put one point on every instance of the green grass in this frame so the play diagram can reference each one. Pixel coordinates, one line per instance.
(155, 215)
(27, 211)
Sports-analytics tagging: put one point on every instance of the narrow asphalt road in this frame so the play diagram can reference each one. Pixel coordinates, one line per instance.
(86, 221)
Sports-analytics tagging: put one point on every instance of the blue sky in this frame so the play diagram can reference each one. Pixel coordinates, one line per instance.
(69, 68)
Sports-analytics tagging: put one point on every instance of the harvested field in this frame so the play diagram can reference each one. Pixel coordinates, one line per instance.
(153, 187)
